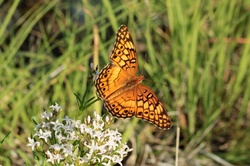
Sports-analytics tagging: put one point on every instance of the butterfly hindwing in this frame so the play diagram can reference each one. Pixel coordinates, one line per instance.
(122, 106)
(108, 81)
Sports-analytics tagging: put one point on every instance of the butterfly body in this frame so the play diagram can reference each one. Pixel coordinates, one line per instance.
(121, 90)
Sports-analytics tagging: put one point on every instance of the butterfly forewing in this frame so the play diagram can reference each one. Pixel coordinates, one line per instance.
(124, 54)
(150, 108)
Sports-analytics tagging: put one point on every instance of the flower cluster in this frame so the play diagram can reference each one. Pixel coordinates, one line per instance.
(71, 142)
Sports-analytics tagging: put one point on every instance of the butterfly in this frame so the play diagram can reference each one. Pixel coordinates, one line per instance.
(121, 90)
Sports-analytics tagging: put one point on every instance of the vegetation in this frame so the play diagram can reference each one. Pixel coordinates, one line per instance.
(195, 56)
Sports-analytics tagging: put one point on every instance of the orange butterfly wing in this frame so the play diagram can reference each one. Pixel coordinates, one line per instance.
(120, 88)
(140, 102)
(123, 66)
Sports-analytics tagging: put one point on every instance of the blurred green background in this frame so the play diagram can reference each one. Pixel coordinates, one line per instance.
(195, 55)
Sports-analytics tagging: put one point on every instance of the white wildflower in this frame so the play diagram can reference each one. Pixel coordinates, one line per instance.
(46, 115)
(72, 142)
(32, 143)
(56, 107)
(44, 134)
